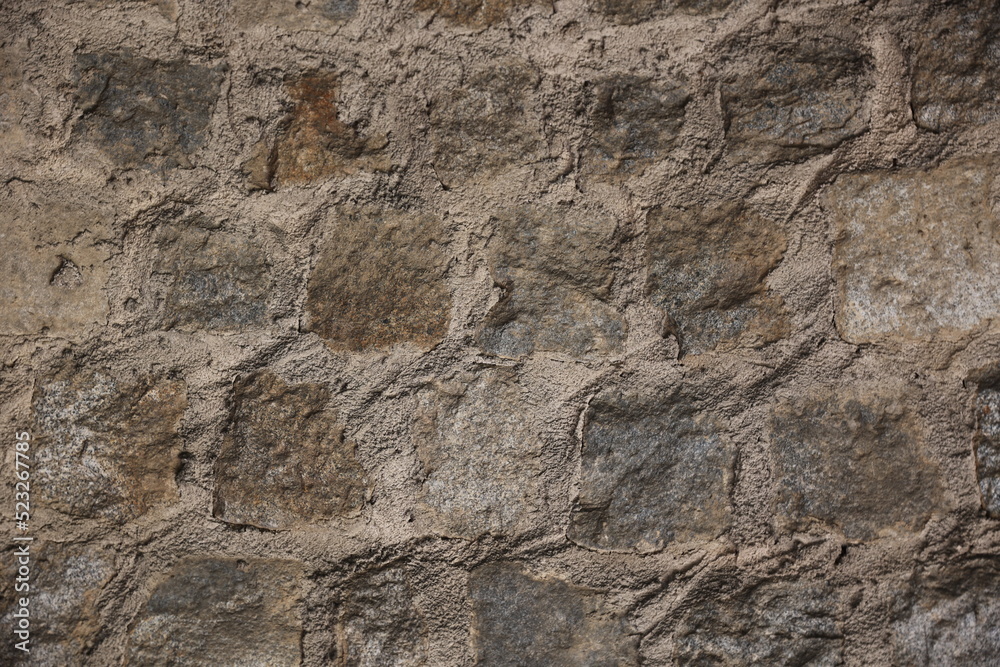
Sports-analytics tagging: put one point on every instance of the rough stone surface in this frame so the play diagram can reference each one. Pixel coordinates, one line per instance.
(630, 12)
(207, 278)
(708, 270)
(916, 254)
(216, 611)
(54, 263)
(779, 623)
(479, 454)
(952, 622)
(655, 470)
(140, 111)
(987, 440)
(107, 447)
(379, 281)
(472, 13)
(295, 15)
(806, 97)
(529, 621)
(487, 124)
(855, 460)
(284, 459)
(380, 623)
(555, 271)
(634, 122)
(316, 143)
(64, 601)
(957, 67)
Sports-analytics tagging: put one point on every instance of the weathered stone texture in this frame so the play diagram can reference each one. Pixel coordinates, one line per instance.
(777, 623)
(479, 452)
(805, 97)
(526, 621)
(54, 263)
(987, 442)
(379, 281)
(212, 279)
(380, 623)
(916, 253)
(472, 13)
(143, 112)
(654, 470)
(63, 602)
(284, 459)
(556, 269)
(634, 122)
(708, 270)
(629, 12)
(854, 460)
(212, 612)
(956, 67)
(294, 14)
(107, 447)
(315, 142)
(486, 124)
(952, 625)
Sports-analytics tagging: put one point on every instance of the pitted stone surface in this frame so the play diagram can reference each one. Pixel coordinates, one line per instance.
(654, 470)
(629, 12)
(210, 278)
(806, 98)
(479, 454)
(472, 13)
(216, 611)
(854, 460)
(284, 459)
(957, 67)
(380, 623)
(55, 263)
(316, 143)
(708, 270)
(953, 623)
(987, 442)
(63, 601)
(296, 15)
(143, 112)
(107, 447)
(916, 253)
(634, 122)
(526, 621)
(779, 623)
(556, 271)
(379, 281)
(486, 124)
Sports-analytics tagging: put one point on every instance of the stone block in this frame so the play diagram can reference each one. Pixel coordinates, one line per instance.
(654, 470)
(284, 459)
(486, 124)
(800, 98)
(380, 622)
(777, 623)
(708, 270)
(55, 264)
(853, 459)
(956, 67)
(107, 447)
(522, 620)
(555, 268)
(987, 440)
(315, 143)
(218, 611)
(295, 15)
(630, 12)
(142, 112)
(480, 451)
(380, 281)
(916, 253)
(633, 123)
(472, 13)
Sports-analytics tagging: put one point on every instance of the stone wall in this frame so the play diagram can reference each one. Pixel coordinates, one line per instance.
(503, 332)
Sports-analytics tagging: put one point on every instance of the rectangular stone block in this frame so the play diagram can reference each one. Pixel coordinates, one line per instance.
(916, 253)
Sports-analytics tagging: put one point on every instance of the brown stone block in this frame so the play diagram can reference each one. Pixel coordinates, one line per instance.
(708, 270)
(381, 623)
(986, 442)
(284, 459)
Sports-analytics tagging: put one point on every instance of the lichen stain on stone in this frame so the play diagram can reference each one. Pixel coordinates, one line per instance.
(284, 459)
(380, 281)
(708, 271)
(315, 142)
